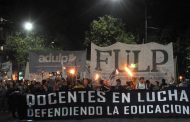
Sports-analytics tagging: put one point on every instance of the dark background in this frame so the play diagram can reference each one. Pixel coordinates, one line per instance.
(67, 20)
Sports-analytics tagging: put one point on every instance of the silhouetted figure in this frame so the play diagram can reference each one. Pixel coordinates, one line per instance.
(157, 86)
(118, 86)
(13, 100)
(78, 86)
(103, 87)
(148, 85)
(86, 84)
(129, 85)
(163, 85)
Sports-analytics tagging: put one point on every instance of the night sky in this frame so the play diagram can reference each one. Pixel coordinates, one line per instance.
(65, 21)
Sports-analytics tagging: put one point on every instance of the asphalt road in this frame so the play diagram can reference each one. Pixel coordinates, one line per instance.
(6, 117)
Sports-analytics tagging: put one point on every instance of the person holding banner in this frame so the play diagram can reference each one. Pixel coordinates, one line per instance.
(64, 86)
(13, 93)
(87, 85)
(141, 84)
(103, 87)
(148, 85)
(163, 85)
(129, 85)
(157, 86)
(44, 86)
(118, 86)
(78, 85)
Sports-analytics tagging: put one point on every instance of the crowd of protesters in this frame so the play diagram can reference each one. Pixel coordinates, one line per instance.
(9, 88)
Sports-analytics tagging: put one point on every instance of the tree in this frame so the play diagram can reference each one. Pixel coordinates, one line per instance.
(20, 44)
(106, 31)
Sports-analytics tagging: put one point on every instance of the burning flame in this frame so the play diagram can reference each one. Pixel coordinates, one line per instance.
(116, 72)
(96, 77)
(180, 77)
(130, 73)
(72, 71)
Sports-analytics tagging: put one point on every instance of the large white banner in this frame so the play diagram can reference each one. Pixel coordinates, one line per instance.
(152, 60)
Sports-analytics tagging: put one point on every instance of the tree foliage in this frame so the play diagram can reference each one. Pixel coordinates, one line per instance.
(20, 44)
(106, 31)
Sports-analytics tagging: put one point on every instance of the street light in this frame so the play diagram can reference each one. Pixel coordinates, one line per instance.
(28, 26)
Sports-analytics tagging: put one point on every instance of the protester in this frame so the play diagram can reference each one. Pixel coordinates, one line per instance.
(129, 85)
(157, 86)
(56, 87)
(3, 100)
(78, 86)
(86, 84)
(148, 85)
(13, 101)
(107, 84)
(25, 86)
(118, 86)
(102, 86)
(37, 88)
(141, 84)
(163, 85)
(44, 86)
(63, 85)
(183, 83)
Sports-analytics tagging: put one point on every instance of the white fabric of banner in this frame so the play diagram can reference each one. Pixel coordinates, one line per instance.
(153, 61)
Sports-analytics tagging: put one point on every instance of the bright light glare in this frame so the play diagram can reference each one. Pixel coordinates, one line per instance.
(58, 72)
(1, 48)
(180, 77)
(50, 75)
(72, 71)
(96, 77)
(116, 72)
(129, 71)
(28, 26)
(133, 66)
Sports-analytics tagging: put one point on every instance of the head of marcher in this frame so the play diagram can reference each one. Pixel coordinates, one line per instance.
(118, 82)
(141, 79)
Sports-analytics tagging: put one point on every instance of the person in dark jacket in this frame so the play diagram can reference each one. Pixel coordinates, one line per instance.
(13, 101)
(87, 85)
(163, 85)
(102, 86)
(118, 86)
